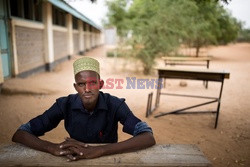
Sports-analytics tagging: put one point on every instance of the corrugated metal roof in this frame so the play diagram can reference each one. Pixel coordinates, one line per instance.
(66, 7)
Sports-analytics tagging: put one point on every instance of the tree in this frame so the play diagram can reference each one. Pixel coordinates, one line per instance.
(159, 27)
(244, 35)
(213, 25)
(229, 27)
(118, 16)
(205, 25)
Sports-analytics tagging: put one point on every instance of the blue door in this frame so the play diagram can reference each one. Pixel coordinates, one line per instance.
(4, 39)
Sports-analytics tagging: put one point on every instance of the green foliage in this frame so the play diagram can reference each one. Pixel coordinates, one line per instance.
(114, 54)
(159, 27)
(118, 16)
(213, 25)
(244, 36)
(229, 27)
(205, 25)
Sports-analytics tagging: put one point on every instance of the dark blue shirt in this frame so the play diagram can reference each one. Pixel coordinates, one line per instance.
(100, 126)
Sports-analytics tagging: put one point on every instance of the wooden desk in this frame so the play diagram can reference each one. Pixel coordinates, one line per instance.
(159, 155)
(185, 60)
(193, 74)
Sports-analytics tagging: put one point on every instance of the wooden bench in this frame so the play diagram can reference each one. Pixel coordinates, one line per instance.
(159, 155)
(186, 60)
(193, 74)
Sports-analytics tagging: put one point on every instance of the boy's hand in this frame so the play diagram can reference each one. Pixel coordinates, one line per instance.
(81, 150)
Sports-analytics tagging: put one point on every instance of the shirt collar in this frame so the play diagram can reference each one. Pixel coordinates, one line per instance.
(77, 104)
(101, 103)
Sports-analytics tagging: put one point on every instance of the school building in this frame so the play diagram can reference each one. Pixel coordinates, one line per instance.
(35, 35)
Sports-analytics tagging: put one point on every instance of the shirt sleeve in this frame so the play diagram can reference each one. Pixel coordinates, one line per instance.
(141, 127)
(131, 124)
(126, 118)
(45, 122)
(26, 127)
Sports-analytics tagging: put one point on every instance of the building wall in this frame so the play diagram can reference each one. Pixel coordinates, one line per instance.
(76, 42)
(37, 43)
(29, 47)
(1, 72)
(60, 44)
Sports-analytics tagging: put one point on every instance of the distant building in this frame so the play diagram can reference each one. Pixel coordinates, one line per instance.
(110, 36)
(35, 35)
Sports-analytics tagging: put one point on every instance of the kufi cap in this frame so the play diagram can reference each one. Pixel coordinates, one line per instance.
(86, 63)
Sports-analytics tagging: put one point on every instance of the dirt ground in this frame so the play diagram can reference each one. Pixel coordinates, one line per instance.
(228, 145)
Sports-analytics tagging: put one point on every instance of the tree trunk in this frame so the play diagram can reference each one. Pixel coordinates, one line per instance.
(146, 70)
(197, 48)
(197, 51)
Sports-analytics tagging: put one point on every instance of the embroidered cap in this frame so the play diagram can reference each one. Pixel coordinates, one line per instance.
(86, 63)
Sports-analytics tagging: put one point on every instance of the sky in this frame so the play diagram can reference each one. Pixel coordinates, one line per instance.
(240, 9)
(97, 11)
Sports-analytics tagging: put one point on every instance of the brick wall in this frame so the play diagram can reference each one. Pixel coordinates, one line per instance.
(60, 44)
(30, 48)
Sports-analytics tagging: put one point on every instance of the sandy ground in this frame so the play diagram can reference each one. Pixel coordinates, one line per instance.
(228, 145)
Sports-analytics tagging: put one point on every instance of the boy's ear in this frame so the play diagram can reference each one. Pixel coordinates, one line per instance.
(74, 84)
(101, 84)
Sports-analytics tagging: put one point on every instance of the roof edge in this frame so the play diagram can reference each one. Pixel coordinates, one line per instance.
(68, 8)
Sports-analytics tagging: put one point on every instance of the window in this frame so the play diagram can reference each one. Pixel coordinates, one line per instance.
(59, 16)
(38, 10)
(26, 9)
(75, 23)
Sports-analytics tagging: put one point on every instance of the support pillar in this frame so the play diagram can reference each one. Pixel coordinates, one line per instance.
(81, 41)
(70, 35)
(48, 36)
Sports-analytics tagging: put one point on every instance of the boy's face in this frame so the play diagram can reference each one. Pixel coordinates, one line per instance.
(87, 84)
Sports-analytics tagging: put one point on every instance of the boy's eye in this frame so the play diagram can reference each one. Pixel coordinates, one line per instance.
(80, 84)
(93, 82)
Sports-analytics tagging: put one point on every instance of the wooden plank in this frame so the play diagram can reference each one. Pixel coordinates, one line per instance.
(187, 58)
(158, 155)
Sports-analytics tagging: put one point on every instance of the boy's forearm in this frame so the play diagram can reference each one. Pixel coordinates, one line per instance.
(139, 142)
(32, 141)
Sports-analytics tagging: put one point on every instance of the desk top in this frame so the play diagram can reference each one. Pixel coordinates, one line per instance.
(204, 58)
(158, 155)
(194, 70)
(189, 73)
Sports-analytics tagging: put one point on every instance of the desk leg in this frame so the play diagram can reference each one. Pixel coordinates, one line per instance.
(149, 105)
(218, 107)
(164, 84)
(158, 93)
(208, 61)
